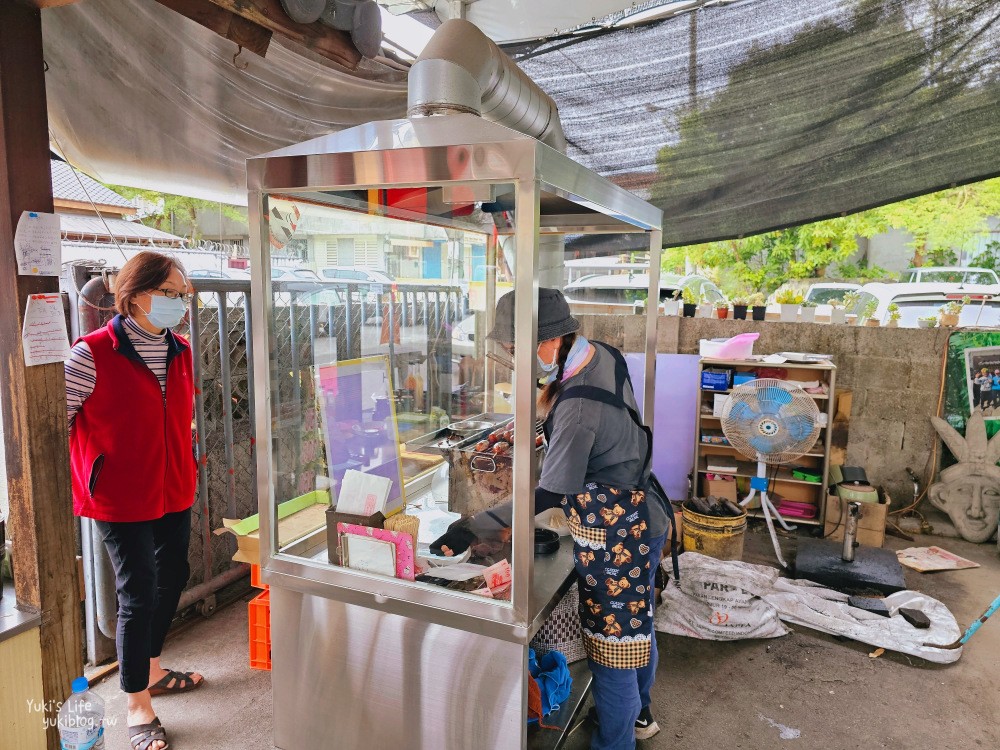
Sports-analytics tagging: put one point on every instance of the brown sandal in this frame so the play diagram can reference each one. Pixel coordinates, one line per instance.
(183, 682)
(142, 736)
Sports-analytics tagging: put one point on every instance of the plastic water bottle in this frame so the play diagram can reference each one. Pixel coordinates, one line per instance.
(81, 719)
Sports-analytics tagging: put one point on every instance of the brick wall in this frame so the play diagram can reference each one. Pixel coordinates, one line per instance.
(894, 374)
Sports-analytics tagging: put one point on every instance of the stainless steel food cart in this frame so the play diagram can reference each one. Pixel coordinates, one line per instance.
(361, 659)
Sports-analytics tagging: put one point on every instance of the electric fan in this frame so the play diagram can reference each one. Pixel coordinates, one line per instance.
(777, 422)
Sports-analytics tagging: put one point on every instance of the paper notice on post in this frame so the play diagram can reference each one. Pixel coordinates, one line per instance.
(44, 336)
(38, 244)
(363, 494)
(369, 555)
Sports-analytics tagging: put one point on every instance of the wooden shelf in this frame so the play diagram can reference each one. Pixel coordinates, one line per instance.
(722, 445)
(719, 419)
(757, 513)
(749, 469)
(820, 396)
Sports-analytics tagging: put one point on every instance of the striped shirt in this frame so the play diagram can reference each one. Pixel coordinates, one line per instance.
(81, 375)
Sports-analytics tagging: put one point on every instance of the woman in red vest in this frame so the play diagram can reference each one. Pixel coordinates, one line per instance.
(130, 396)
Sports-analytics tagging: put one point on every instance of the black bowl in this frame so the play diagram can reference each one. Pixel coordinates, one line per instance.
(546, 542)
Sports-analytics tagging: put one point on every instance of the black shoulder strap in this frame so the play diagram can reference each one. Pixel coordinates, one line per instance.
(617, 400)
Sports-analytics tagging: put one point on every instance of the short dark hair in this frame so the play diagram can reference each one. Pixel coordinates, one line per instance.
(143, 272)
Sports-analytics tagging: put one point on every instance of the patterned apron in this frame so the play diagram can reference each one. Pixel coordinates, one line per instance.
(610, 529)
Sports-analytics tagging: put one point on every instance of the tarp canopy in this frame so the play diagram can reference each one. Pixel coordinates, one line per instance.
(768, 113)
(141, 96)
(741, 116)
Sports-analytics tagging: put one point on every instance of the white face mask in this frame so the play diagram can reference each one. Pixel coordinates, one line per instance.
(548, 368)
(165, 312)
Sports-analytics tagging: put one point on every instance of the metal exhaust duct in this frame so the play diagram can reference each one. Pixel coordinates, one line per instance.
(461, 70)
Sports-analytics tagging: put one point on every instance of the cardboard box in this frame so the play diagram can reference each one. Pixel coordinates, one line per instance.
(871, 525)
(721, 488)
(297, 518)
(719, 403)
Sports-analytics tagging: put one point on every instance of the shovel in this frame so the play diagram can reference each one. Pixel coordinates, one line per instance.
(972, 628)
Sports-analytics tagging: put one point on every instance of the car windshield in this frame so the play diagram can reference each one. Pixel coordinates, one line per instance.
(945, 277)
(823, 296)
(973, 314)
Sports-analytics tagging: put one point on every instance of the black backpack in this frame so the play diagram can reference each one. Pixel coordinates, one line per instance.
(593, 393)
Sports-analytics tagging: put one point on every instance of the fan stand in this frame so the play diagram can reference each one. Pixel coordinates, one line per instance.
(759, 484)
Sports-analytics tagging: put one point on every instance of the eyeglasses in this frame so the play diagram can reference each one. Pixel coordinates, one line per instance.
(174, 294)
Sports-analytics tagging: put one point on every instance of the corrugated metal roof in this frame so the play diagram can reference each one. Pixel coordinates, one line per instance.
(66, 187)
(129, 231)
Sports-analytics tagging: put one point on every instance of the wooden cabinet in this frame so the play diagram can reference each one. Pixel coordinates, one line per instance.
(711, 447)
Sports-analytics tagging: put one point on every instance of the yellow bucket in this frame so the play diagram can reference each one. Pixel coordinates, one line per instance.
(721, 538)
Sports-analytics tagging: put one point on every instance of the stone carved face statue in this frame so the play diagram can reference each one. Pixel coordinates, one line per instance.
(969, 491)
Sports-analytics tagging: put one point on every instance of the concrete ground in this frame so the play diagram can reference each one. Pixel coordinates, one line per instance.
(805, 689)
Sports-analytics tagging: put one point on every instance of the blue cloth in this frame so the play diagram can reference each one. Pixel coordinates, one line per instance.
(620, 694)
(551, 672)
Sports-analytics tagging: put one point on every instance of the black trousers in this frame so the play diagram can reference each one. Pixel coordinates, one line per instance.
(150, 559)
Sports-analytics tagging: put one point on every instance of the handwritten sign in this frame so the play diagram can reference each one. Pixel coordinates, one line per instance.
(44, 336)
(38, 244)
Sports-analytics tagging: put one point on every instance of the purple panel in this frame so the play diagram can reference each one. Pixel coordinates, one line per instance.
(674, 416)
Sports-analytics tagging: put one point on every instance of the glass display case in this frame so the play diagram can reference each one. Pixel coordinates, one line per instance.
(385, 416)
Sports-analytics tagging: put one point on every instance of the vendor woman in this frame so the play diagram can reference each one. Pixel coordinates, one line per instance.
(597, 470)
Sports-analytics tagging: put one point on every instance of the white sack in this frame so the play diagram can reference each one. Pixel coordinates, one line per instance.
(724, 600)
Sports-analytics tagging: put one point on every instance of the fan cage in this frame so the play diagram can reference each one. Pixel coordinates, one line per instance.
(771, 420)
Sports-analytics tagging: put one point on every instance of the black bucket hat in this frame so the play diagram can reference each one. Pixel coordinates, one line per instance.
(554, 317)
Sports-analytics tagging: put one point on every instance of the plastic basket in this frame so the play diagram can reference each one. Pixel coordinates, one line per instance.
(259, 615)
(255, 578)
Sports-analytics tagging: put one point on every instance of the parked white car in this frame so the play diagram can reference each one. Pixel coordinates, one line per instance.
(626, 289)
(923, 300)
(948, 275)
(821, 294)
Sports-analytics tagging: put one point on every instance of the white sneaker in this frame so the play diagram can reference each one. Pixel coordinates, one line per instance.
(645, 725)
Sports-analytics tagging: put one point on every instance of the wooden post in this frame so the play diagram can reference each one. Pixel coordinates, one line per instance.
(34, 399)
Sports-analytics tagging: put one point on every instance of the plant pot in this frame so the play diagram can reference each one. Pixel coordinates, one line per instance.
(838, 315)
(722, 313)
(807, 314)
(892, 324)
(872, 323)
(739, 312)
(851, 320)
(690, 310)
(927, 323)
(758, 312)
(705, 310)
(670, 307)
(949, 320)
(789, 313)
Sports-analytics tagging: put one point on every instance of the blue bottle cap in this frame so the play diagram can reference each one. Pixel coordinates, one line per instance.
(80, 685)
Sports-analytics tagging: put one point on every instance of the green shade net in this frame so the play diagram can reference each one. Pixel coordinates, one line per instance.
(768, 113)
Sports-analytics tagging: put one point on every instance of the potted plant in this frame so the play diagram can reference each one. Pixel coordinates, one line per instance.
(868, 313)
(690, 298)
(672, 303)
(722, 309)
(837, 312)
(759, 309)
(851, 300)
(894, 315)
(930, 321)
(950, 312)
(807, 313)
(789, 299)
(740, 305)
(705, 308)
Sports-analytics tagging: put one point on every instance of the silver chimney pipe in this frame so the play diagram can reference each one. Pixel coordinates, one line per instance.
(462, 70)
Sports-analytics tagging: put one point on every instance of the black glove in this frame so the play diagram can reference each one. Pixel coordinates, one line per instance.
(457, 538)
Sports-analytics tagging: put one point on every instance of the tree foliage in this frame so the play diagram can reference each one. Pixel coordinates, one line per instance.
(941, 224)
(160, 207)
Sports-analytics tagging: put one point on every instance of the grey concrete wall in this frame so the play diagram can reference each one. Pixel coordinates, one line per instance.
(894, 374)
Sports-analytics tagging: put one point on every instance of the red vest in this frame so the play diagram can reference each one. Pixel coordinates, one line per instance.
(130, 446)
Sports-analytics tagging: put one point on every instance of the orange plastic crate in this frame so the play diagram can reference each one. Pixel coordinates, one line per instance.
(255, 578)
(259, 611)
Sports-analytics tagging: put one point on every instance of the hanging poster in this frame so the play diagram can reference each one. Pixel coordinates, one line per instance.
(44, 335)
(359, 424)
(972, 356)
(38, 244)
